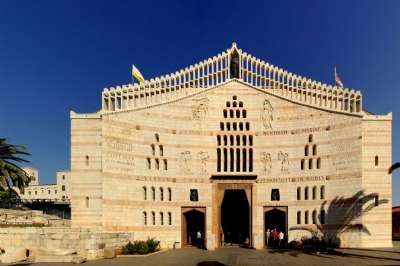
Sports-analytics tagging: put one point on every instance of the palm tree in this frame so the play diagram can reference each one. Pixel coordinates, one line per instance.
(11, 175)
(342, 215)
(394, 167)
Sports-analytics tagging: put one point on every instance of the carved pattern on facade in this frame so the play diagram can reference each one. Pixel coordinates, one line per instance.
(215, 71)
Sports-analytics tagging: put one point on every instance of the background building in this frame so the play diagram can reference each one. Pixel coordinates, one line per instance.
(230, 147)
(46, 192)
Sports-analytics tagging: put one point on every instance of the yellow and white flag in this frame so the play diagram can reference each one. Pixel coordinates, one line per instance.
(136, 74)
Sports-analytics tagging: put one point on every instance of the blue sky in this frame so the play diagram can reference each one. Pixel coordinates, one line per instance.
(59, 55)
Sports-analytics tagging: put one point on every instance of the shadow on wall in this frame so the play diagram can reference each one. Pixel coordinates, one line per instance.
(342, 215)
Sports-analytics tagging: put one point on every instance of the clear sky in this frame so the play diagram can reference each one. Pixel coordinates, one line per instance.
(59, 55)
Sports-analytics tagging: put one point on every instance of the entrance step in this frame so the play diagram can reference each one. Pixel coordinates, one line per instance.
(53, 258)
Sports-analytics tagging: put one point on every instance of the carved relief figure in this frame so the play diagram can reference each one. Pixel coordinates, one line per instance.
(284, 158)
(203, 157)
(186, 161)
(266, 161)
(200, 108)
(266, 114)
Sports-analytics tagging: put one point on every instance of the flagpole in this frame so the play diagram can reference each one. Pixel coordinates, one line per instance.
(132, 75)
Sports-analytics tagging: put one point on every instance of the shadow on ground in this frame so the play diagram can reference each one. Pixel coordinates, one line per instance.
(210, 263)
(333, 252)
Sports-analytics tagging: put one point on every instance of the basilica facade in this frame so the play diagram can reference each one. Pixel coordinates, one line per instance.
(223, 150)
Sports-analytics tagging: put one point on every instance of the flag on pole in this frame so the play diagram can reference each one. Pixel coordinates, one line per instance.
(136, 74)
(337, 79)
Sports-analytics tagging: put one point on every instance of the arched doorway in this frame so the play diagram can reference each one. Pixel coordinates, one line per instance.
(275, 218)
(235, 217)
(193, 227)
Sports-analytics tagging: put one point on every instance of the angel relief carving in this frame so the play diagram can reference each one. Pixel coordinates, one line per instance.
(200, 108)
(266, 114)
(284, 158)
(266, 161)
(186, 161)
(203, 157)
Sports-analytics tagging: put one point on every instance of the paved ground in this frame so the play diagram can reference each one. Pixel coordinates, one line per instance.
(240, 256)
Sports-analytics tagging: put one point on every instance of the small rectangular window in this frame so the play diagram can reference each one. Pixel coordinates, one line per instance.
(275, 195)
(194, 195)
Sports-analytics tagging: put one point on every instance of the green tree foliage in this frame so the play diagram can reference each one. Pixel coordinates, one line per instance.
(10, 173)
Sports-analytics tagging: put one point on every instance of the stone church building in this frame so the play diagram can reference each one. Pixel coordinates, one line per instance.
(223, 150)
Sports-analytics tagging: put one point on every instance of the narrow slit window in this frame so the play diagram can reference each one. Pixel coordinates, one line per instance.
(314, 149)
(376, 160)
(298, 193)
(225, 160)
(161, 150)
(218, 160)
(322, 192)
(144, 192)
(298, 217)
(145, 218)
(322, 217)
(232, 158)
(250, 160)
(244, 151)
(153, 193)
(314, 217)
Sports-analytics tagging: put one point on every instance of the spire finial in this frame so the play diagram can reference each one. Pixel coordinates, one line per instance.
(234, 45)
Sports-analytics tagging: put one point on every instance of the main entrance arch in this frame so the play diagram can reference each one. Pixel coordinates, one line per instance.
(232, 211)
(235, 217)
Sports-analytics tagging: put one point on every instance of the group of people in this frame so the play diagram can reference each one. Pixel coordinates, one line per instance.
(274, 238)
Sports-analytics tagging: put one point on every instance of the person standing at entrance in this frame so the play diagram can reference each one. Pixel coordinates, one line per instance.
(267, 235)
(199, 243)
(281, 237)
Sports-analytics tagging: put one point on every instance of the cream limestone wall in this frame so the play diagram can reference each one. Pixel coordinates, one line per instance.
(120, 146)
(86, 174)
(377, 142)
